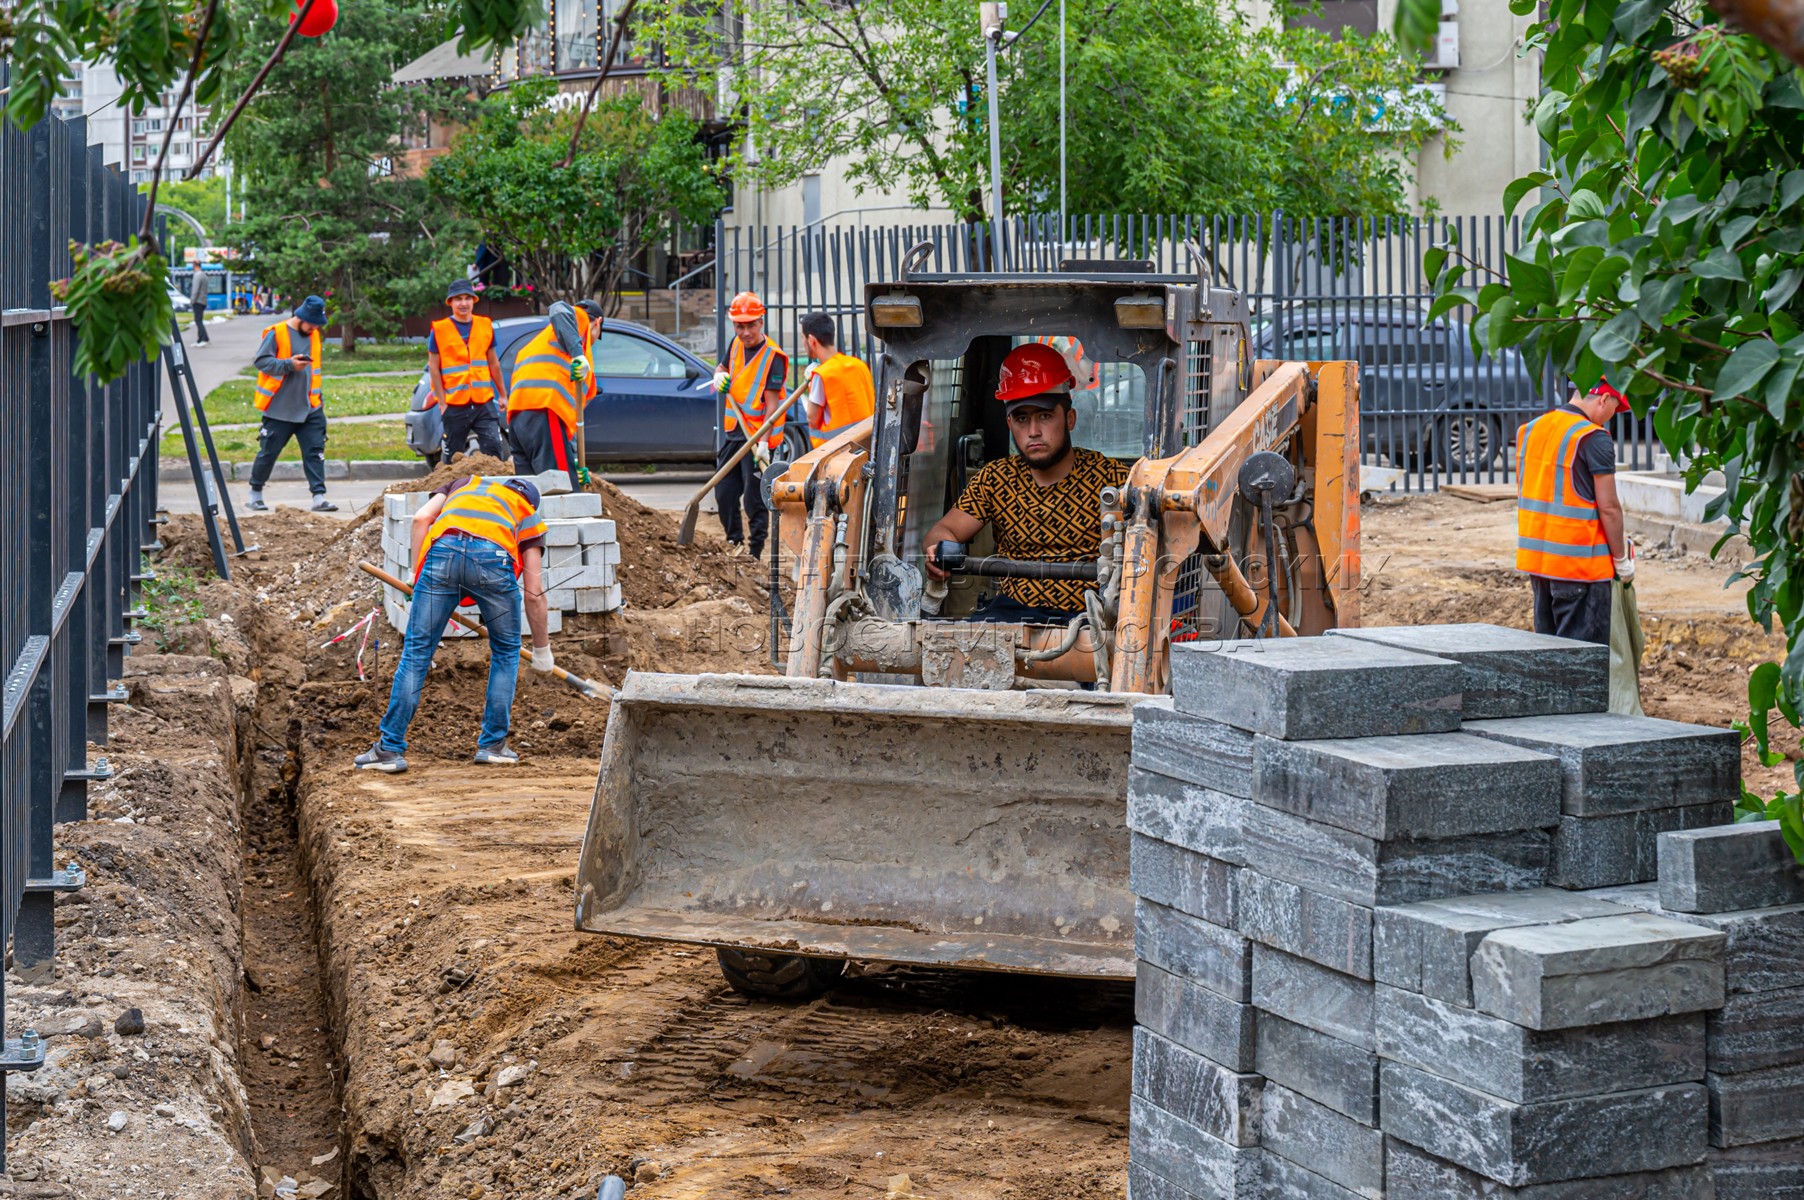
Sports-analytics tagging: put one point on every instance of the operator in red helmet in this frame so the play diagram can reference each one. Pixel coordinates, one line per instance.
(1044, 502)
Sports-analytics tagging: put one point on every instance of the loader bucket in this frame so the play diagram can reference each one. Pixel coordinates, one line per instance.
(957, 828)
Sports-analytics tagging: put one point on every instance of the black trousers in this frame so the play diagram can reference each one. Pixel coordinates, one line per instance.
(484, 420)
(1573, 609)
(272, 439)
(200, 327)
(542, 442)
(741, 484)
(1006, 610)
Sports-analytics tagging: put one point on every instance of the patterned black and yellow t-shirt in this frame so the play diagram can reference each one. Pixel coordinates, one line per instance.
(1062, 523)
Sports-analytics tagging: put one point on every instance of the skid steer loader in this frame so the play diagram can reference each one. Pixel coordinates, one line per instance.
(915, 789)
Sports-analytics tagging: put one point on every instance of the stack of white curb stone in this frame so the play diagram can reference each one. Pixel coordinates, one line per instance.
(1417, 919)
(581, 563)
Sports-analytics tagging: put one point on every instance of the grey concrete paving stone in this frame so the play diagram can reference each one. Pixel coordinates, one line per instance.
(1187, 814)
(1597, 971)
(1177, 1151)
(1435, 785)
(1768, 1171)
(1427, 946)
(1218, 1101)
(1207, 753)
(1312, 995)
(1182, 879)
(1316, 687)
(1521, 1144)
(1208, 954)
(1146, 1185)
(1613, 763)
(1765, 945)
(1756, 1106)
(1594, 852)
(1727, 868)
(1508, 672)
(1414, 1174)
(1327, 1070)
(1309, 924)
(1527, 1066)
(1195, 1017)
(1750, 1032)
(1312, 1136)
(1366, 871)
(1285, 1180)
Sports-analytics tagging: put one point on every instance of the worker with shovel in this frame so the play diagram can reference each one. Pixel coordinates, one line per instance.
(480, 538)
(751, 385)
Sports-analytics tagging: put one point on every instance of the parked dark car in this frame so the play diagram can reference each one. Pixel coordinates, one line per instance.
(1425, 399)
(653, 401)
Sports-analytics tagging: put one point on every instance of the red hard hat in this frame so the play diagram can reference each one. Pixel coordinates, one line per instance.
(1604, 389)
(1033, 370)
(745, 307)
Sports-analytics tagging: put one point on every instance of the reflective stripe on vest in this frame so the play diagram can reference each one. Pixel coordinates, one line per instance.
(268, 385)
(464, 366)
(746, 385)
(541, 376)
(847, 396)
(1558, 534)
(488, 509)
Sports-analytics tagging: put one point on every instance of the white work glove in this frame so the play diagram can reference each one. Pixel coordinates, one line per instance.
(813, 369)
(721, 379)
(1625, 568)
(541, 659)
(579, 368)
(761, 455)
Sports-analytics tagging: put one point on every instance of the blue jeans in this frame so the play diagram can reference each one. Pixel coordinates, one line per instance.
(457, 567)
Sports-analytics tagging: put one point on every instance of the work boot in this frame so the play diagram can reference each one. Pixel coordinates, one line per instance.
(256, 504)
(321, 504)
(497, 756)
(378, 759)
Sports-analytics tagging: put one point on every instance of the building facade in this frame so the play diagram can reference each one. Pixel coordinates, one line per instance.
(132, 141)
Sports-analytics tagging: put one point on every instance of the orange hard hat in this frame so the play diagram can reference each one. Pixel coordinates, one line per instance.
(745, 307)
(1033, 370)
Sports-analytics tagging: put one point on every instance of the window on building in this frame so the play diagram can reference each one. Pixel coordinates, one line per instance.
(139, 153)
(535, 52)
(1357, 16)
(811, 200)
(576, 49)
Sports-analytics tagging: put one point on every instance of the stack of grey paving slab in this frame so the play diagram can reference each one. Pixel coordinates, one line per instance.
(1417, 918)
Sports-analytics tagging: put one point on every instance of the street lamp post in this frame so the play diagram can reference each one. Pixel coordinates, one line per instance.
(992, 16)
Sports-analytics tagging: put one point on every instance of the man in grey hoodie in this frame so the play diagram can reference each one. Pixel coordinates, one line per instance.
(289, 395)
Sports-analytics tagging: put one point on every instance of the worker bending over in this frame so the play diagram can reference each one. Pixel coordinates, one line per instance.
(751, 385)
(1044, 503)
(552, 377)
(483, 539)
(465, 374)
(1569, 535)
(840, 391)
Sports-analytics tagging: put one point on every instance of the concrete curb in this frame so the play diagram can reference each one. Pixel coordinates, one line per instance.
(1689, 539)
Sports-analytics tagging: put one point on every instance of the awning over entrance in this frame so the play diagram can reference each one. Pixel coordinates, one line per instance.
(444, 62)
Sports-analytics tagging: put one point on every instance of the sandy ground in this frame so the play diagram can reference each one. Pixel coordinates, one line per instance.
(425, 1019)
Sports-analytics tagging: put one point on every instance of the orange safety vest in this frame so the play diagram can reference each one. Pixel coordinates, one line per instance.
(464, 366)
(488, 509)
(746, 385)
(847, 396)
(542, 375)
(1558, 535)
(267, 385)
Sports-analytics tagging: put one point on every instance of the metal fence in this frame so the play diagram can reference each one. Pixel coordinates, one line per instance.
(1345, 288)
(78, 481)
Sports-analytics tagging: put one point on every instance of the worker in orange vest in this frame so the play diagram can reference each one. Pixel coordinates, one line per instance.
(291, 398)
(840, 390)
(466, 374)
(480, 538)
(1569, 536)
(552, 376)
(751, 385)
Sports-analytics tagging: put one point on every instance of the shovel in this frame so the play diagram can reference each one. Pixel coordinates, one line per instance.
(593, 691)
(686, 534)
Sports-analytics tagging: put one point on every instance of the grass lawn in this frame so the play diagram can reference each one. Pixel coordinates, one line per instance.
(231, 403)
(362, 441)
(370, 356)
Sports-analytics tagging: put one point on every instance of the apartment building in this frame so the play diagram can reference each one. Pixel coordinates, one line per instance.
(132, 141)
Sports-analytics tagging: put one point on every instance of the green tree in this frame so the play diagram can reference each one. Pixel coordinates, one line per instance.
(318, 148)
(573, 231)
(1663, 251)
(202, 199)
(1175, 105)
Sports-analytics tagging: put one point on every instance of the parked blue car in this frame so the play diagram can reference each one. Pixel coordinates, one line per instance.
(653, 401)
